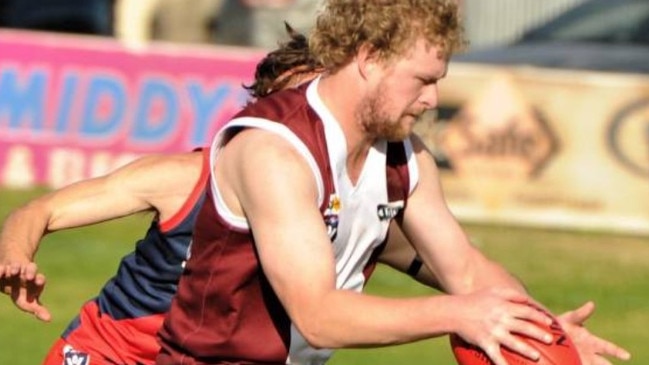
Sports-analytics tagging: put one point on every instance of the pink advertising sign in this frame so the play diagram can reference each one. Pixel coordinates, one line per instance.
(73, 107)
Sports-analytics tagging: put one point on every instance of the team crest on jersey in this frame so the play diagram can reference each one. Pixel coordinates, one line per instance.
(74, 357)
(390, 210)
(331, 216)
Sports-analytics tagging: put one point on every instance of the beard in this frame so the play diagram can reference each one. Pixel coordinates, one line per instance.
(378, 124)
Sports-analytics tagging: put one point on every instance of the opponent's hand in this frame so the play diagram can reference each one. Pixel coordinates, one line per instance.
(24, 284)
(593, 350)
(489, 318)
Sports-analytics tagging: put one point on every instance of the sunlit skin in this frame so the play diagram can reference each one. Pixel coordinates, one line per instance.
(401, 92)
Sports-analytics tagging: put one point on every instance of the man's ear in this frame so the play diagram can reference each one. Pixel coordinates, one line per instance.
(366, 60)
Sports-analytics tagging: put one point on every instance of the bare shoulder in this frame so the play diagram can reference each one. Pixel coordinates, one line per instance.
(426, 164)
(258, 168)
(256, 145)
(423, 154)
(255, 152)
(418, 144)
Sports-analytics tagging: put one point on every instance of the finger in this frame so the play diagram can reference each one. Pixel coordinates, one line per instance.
(33, 307)
(27, 301)
(522, 329)
(533, 331)
(610, 349)
(531, 314)
(29, 271)
(8, 284)
(42, 313)
(598, 361)
(15, 288)
(19, 297)
(5, 286)
(36, 309)
(521, 347)
(40, 279)
(6, 271)
(580, 315)
(513, 295)
(493, 351)
(34, 289)
(14, 269)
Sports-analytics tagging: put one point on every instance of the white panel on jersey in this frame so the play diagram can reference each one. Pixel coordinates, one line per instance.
(413, 170)
(361, 228)
(265, 124)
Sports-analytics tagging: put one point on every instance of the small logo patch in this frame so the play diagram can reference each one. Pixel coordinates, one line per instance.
(390, 210)
(74, 357)
(331, 216)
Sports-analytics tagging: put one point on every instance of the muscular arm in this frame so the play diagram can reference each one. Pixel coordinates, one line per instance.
(436, 235)
(400, 254)
(275, 190)
(153, 183)
(462, 270)
(157, 183)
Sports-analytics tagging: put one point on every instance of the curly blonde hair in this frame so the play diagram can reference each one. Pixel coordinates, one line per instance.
(389, 27)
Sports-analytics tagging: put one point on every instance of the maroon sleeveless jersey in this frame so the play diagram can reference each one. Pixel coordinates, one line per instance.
(225, 310)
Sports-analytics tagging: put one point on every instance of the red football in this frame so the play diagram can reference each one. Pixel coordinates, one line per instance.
(560, 352)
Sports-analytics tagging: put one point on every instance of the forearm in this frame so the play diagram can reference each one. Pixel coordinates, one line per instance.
(345, 319)
(469, 270)
(22, 232)
(482, 273)
(408, 262)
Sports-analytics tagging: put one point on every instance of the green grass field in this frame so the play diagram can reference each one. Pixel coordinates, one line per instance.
(562, 269)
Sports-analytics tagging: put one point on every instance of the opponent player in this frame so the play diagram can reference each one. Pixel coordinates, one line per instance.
(110, 338)
(303, 188)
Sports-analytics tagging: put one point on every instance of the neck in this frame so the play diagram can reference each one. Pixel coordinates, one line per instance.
(342, 96)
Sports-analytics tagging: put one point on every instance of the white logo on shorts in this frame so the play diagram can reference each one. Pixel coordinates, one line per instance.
(74, 357)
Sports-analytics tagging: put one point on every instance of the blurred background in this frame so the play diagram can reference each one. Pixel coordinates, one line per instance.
(541, 134)
(542, 119)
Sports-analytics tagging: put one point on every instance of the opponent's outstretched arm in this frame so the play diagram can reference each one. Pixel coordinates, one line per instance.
(143, 185)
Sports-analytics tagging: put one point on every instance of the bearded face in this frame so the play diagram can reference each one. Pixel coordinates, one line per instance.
(377, 121)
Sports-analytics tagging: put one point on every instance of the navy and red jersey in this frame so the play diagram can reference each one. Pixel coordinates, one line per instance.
(119, 326)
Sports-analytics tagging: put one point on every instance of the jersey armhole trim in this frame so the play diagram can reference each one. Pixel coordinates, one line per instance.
(198, 190)
(413, 169)
(251, 122)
